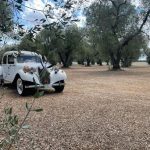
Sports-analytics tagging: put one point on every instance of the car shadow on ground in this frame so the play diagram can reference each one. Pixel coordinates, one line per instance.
(9, 88)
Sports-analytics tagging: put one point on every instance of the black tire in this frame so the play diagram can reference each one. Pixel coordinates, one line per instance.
(59, 89)
(21, 90)
(1, 82)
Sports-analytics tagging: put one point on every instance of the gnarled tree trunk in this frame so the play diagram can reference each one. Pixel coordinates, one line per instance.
(65, 59)
(100, 62)
(115, 60)
(88, 62)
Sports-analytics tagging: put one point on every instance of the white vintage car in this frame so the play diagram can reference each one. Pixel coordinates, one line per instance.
(28, 70)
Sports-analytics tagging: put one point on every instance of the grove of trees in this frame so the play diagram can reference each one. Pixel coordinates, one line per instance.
(114, 33)
(116, 25)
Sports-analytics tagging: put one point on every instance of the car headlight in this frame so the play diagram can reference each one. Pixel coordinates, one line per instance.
(29, 69)
(56, 69)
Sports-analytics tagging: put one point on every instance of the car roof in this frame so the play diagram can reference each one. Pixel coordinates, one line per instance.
(22, 52)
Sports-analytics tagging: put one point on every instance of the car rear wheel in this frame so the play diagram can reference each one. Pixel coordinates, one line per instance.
(20, 85)
(1, 82)
(60, 88)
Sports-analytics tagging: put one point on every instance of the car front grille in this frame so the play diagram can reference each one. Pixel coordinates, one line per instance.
(44, 76)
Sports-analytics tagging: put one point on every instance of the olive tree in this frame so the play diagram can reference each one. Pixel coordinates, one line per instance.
(5, 17)
(61, 44)
(117, 23)
(132, 51)
(86, 53)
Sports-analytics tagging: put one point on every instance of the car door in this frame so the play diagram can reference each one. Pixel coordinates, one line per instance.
(5, 67)
(11, 68)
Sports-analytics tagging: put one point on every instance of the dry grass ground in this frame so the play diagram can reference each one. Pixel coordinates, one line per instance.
(98, 110)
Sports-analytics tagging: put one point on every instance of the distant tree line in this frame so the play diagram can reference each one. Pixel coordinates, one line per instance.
(78, 44)
(113, 34)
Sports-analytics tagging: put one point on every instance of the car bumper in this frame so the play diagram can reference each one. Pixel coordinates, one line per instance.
(46, 86)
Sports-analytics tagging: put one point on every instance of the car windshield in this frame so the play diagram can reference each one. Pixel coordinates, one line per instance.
(28, 58)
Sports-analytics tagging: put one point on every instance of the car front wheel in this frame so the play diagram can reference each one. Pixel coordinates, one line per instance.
(20, 85)
(60, 88)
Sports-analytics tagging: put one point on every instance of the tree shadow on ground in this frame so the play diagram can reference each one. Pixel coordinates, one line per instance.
(127, 73)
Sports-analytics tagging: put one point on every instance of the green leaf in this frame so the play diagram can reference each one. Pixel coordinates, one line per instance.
(8, 111)
(38, 110)
(9, 118)
(64, 14)
(8, 18)
(21, 33)
(46, 26)
(43, 20)
(75, 20)
(25, 126)
(16, 119)
(18, 7)
(1, 145)
(38, 94)
(27, 106)
(15, 37)
(13, 131)
(67, 18)
(20, 25)
(19, 1)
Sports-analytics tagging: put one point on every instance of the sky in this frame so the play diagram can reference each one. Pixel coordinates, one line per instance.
(30, 15)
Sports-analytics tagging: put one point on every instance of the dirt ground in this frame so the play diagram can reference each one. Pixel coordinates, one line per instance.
(98, 110)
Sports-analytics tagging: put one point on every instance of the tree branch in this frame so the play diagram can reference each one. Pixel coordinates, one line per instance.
(117, 14)
(128, 39)
(148, 36)
(147, 52)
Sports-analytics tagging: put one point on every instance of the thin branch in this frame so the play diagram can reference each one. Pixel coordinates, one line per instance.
(32, 8)
(128, 39)
(114, 4)
(22, 123)
(145, 20)
(148, 36)
(117, 14)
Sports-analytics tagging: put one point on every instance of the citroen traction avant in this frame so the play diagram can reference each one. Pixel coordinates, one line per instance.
(30, 71)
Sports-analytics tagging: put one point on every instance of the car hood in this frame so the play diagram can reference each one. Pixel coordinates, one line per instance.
(34, 65)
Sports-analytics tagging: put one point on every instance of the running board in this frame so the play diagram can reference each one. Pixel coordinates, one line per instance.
(34, 86)
(40, 87)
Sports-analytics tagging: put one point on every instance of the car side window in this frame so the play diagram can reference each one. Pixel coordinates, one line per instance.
(5, 59)
(10, 59)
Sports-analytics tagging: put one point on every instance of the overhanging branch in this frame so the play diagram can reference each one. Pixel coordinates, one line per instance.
(128, 39)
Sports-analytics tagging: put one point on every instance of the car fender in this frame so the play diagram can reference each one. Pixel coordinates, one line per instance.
(31, 77)
(57, 76)
(1, 72)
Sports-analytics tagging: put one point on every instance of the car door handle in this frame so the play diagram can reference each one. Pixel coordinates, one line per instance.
(11, 65)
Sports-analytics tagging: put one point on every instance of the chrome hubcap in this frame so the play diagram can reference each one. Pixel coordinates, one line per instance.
(19, 86)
